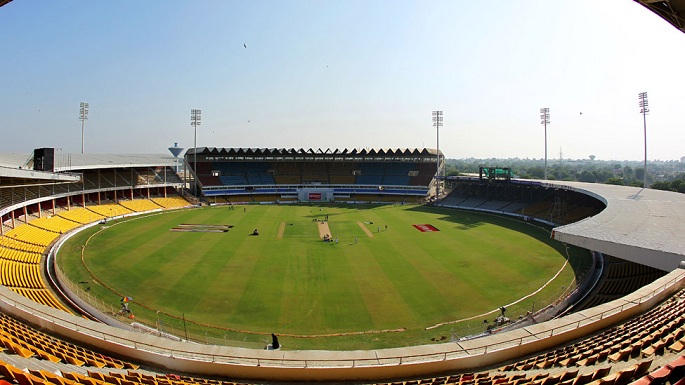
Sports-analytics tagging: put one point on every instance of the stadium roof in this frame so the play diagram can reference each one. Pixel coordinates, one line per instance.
(67, 162)
(673, 11)
(302, 151)
(14, 165)
(75, 162)
(641, 225)
(31, 176)
(14, 160)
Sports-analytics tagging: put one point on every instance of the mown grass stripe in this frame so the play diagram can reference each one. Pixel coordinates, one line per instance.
(301, 285)
(384, 303)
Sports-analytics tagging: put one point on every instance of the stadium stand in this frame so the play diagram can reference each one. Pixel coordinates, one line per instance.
(423, 175)
(621, 346)
(257, 173)
(284, 175)
(671, 373)
(576, 362)
(341, 173)
(81, 216)
(645, 335)
(36, 213)
(370, 174)
(205, 176)
(18, 255)
(636, 336)
(520, 198)
(20, 268)
(287, 173)
(551, 206)
(313, 173)
(110, 210)
(171, 202)
(619, 278)
(140, 205)
(55, 224)
(21, 248)
(35, 343)
(33, 235)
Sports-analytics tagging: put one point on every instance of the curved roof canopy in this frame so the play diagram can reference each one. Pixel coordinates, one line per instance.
(311, 151)
(673, 11)
(640, 225)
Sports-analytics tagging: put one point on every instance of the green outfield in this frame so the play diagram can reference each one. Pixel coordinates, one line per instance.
(389, 282)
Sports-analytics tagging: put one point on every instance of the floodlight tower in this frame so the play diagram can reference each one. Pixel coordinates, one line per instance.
(544, 115)
(644, 110)
(437, 123)
(195, 120)
(83, 116)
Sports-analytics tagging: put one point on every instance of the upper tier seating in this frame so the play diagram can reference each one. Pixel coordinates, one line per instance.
(239, 173)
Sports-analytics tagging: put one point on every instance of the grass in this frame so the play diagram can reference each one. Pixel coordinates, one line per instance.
(243, 287)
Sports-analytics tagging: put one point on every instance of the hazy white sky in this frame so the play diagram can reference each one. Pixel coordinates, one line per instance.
(342, 74)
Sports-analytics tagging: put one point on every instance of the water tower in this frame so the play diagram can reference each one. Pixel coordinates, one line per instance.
(176, 151)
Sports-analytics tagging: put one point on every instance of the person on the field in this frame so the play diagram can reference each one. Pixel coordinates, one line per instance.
(274, 345)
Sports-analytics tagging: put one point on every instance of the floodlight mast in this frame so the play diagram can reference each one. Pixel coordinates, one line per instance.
(544, 115)
(437, 123)
(83, 116)
(644, 110)
(195, 120)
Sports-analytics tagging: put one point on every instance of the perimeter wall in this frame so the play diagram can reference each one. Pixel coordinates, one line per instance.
(212, 360)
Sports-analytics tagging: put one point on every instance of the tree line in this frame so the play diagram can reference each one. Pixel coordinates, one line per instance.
(661, 175)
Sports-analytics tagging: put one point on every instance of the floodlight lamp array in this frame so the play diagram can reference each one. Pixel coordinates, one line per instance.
(195, 117)
(644, 103)
(437, 118)
(83, 111)
(544, 115)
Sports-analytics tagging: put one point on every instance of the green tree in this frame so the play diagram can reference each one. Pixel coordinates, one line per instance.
(587, 176)
(615, 180)
(536, 172)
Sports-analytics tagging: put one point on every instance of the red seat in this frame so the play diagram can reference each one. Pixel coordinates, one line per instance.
(661, 373)
(642, 381)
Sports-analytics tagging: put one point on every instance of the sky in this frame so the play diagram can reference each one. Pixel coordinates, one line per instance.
(343, 74)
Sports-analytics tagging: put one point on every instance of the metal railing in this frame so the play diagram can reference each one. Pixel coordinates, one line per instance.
(224, 355)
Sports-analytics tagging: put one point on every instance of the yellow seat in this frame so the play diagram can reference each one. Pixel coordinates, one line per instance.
(21, 351)
(73, 360)
(96, 363)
